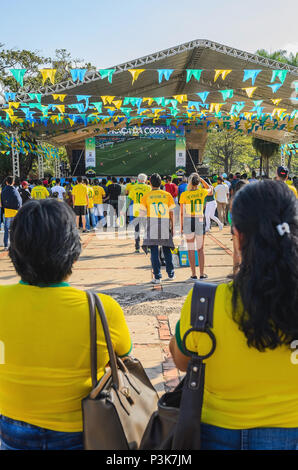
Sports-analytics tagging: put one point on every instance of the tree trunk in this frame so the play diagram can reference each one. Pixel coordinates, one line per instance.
(261, 165)
(289, 162)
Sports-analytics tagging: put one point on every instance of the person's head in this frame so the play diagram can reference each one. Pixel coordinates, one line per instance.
(38, 183)
(46, 255)
(85, 181)
(237, 175)
(103, 181)
(282, 173)
(168, 179)
(121, 180)
(220, 180)
(239, 185)
(244, 176)
(95, 182)
(142, 178)
(253, 174)
(114, 179)
(193, 181)
(79, 179)
(224, 175)
(25, 184)
(265, 226)
(58, 181)
(9, 180)
(155, 180)
(230, 177)
(127, 180)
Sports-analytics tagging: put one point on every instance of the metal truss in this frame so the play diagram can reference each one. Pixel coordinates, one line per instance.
(15, 159)
(57, 168)
(40, 166)
(151, 58)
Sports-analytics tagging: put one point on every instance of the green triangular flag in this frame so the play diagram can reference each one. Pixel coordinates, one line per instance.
(227, 94)
(193, 73)
(19, 75)
(35, 96)
(107, 73)
(281, 74)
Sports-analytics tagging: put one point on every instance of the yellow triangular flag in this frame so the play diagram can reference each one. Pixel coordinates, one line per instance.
(223, 73)
(13, 104)
(107, 99)
(61, 108)
(278, 111)
(59, 97)
(248, 116)
(135, 73)
(150, 100)
(276, 101)
(180, 98)
(118, 103)
(48, 73)
(9, 111)
(250, 91)
(13, 118)
(215, 107)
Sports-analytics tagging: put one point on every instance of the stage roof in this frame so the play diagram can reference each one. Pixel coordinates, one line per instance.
(198, 54)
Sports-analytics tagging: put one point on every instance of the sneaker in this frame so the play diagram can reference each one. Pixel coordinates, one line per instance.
(204, 276)
(221, 226)
(84, 231)
(137, 250)
(171, 278)
(6, 248)
(155, 281)
(193, 278)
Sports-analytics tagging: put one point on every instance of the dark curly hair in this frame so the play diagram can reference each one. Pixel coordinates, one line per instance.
(267, 282)
(44, 242)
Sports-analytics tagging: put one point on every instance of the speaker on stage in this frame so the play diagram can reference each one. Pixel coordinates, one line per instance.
(78, 162)
(192, 165)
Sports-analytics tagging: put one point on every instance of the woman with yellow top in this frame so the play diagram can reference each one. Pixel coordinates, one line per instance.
(192, 221)
(251, 383)
(44, 334)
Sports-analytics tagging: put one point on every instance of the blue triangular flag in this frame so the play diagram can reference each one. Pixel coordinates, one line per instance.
(275, 87)
(203, 95)
(251, 74)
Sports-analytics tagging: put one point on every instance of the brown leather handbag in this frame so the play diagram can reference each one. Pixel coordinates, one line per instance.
(176, 425)
(118, 409)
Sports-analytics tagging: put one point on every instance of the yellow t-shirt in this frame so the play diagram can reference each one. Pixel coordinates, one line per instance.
(157, 203)
(293, 189)
(90, 197)
(47, 352)
(193, 201)
(80, 192)
(136, 194)
(244, 388)
(39, 192)
(99, 193)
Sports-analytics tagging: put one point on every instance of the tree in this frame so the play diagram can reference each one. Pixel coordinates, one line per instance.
(280, 55)
(230, 151)
(266, 149)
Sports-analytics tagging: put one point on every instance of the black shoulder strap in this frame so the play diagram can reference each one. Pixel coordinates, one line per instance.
(202, 305)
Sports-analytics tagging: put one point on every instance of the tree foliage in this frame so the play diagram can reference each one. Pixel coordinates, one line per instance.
(229, 151)
(280, 55)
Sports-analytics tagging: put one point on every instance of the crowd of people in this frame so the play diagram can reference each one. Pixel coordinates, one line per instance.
(147, 204)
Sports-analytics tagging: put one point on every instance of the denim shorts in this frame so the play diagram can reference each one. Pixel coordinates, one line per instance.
(216, 438)
(17, 435)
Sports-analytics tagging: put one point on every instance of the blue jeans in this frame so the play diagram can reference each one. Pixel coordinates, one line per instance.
(156, 264)
(7, 222)
(17, 435)
(215, 438)
(88, 216)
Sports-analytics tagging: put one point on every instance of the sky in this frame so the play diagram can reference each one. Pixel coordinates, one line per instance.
(109, 32)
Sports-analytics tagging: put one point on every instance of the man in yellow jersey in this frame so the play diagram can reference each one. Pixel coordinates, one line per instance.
(99, 194)
(90, 217)
(39, 191)
(80, 201)
(158, 206)
(11, 201)
(135, 196)
(283, 175)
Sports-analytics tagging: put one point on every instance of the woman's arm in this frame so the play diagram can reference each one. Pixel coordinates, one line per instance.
(181, 361)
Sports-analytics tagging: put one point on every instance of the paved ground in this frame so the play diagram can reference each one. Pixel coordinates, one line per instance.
(109, 265)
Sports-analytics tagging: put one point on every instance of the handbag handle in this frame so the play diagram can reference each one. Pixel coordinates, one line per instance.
(96, 304)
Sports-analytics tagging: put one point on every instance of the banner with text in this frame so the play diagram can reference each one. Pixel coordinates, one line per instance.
(90, 158)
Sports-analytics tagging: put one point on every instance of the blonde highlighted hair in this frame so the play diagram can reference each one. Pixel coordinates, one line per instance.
(193, 181)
